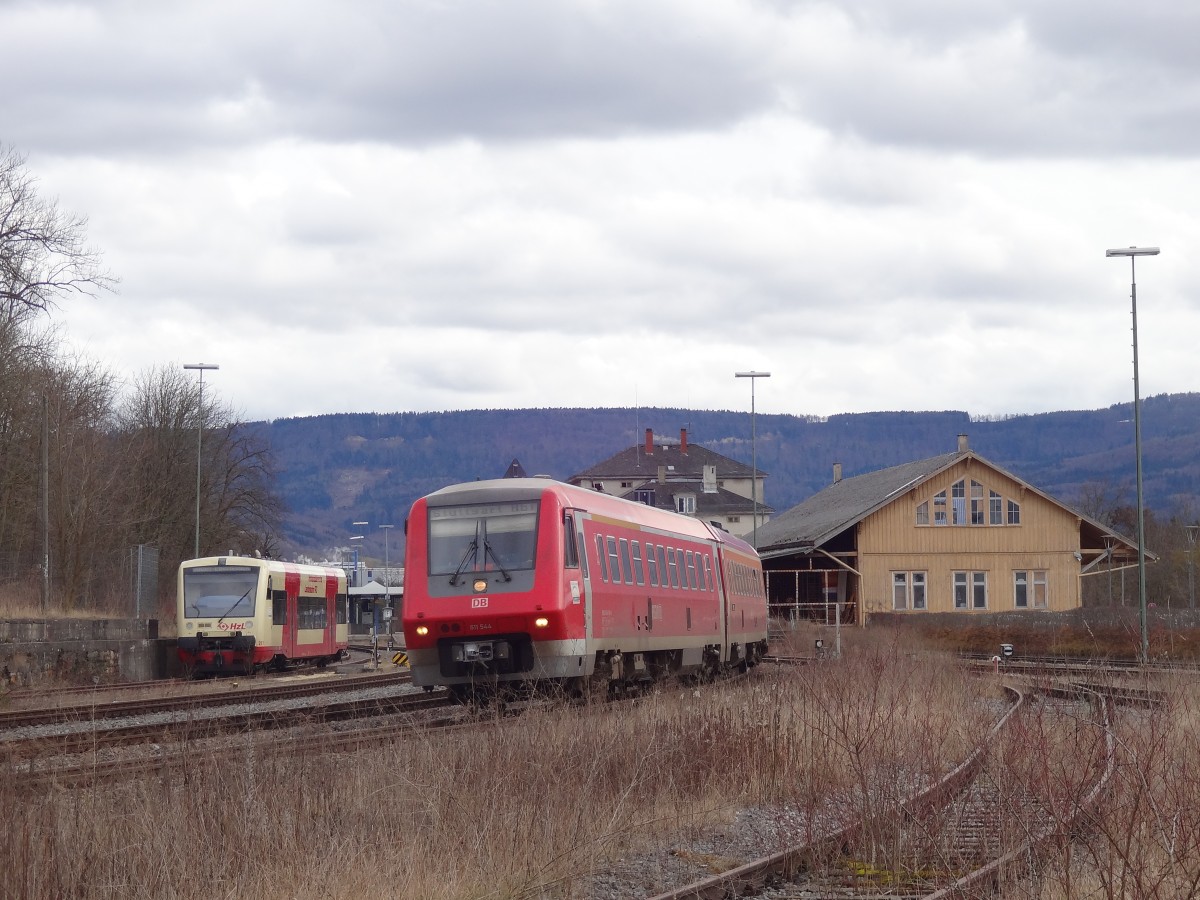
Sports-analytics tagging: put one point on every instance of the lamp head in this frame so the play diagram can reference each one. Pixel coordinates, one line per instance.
(1133, 251)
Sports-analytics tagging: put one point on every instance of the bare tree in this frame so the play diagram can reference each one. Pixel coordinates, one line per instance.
(43, 251)
(158, 433)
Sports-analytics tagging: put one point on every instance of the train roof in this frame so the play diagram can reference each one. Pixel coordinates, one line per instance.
(274, 565)
(595, 502)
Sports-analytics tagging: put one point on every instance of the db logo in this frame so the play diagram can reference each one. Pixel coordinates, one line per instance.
(479, 602)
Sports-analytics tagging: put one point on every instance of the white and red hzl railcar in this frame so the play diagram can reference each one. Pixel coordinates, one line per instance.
(531, 580)
(242, 614)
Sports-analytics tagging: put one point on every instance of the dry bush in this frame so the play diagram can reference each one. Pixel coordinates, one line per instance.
(512, 807)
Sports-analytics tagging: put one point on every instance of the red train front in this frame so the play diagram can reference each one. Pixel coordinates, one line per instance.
(511, 582)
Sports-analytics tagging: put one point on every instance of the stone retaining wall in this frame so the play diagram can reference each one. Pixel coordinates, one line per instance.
(78, 651)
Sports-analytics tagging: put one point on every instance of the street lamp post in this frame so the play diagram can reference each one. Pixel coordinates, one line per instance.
(1190, 531)
(1133, 253)
(753, 448)
(202, 368)
(386, 568)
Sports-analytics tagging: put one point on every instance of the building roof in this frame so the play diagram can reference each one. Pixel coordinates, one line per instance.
(708, 503)
(682, 460)
(847, 502)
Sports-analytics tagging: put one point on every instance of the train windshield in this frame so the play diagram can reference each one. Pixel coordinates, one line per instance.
(220, 591)
(491, 537)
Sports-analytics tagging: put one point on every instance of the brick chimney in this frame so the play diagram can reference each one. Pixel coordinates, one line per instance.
(837, 472)
(683, 441)
(963, 446)
(649, 441)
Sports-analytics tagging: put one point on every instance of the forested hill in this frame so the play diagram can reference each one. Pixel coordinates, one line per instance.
(338, 469)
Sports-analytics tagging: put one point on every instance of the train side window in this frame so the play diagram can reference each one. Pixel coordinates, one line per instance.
(614, 560)
(672, 567)
(570, 550)
(663, 578)
(691, 570)
(626, 568)
(278, 607)
(683, 577)
(342, 603)
(651, 565)
(701, 559)
(639, 573)
(601, 557)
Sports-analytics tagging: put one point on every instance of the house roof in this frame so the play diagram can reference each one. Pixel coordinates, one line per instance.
(844, 503)
(718, 503)
(683, 461)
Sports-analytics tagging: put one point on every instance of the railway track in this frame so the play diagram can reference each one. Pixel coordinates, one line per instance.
(96, 712)
(964, 836)
(134, 752)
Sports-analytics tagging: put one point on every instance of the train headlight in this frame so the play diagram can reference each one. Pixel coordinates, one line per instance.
(480, 585)
(422, 630)
(541, 621)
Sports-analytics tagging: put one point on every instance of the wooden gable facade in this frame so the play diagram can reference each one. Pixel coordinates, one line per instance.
(954, 533)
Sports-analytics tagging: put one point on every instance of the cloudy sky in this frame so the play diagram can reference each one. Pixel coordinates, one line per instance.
(386, 205)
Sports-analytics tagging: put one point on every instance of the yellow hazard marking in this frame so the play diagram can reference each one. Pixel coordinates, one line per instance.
(400, 659)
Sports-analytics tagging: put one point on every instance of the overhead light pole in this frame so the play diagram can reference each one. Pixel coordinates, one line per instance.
(1133, 253)
(202, 368)
(1190, 531)
(753, 448)
(386, 569)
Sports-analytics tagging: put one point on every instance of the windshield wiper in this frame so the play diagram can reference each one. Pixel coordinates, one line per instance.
(468, 556)
(488, 551)
(236, 604)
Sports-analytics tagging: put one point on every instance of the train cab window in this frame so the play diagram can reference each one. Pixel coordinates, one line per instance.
(570, 551)
(603, 562)
(614, 560)
(651, 565)
(626, 568)
(220, 591)
(639, 573)
(479, 538)
(672, 567)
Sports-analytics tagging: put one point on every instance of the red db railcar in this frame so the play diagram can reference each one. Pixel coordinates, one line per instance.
(239, 614)
(522, 581)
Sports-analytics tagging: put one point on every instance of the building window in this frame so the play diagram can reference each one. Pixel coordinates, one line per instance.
(1030, 589)
(626, 484)
(958, 502)
(644, 496)
(976, 503)
(686, 504)
(970, 590)
(995, 509)
(939, 508)
(923, 513)
(918, 590)
(908, 590)
(1014, 512)
(733, 519)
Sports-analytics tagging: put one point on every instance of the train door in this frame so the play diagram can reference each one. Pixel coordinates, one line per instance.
(291, 582)
(578, 517)
(329, 640)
